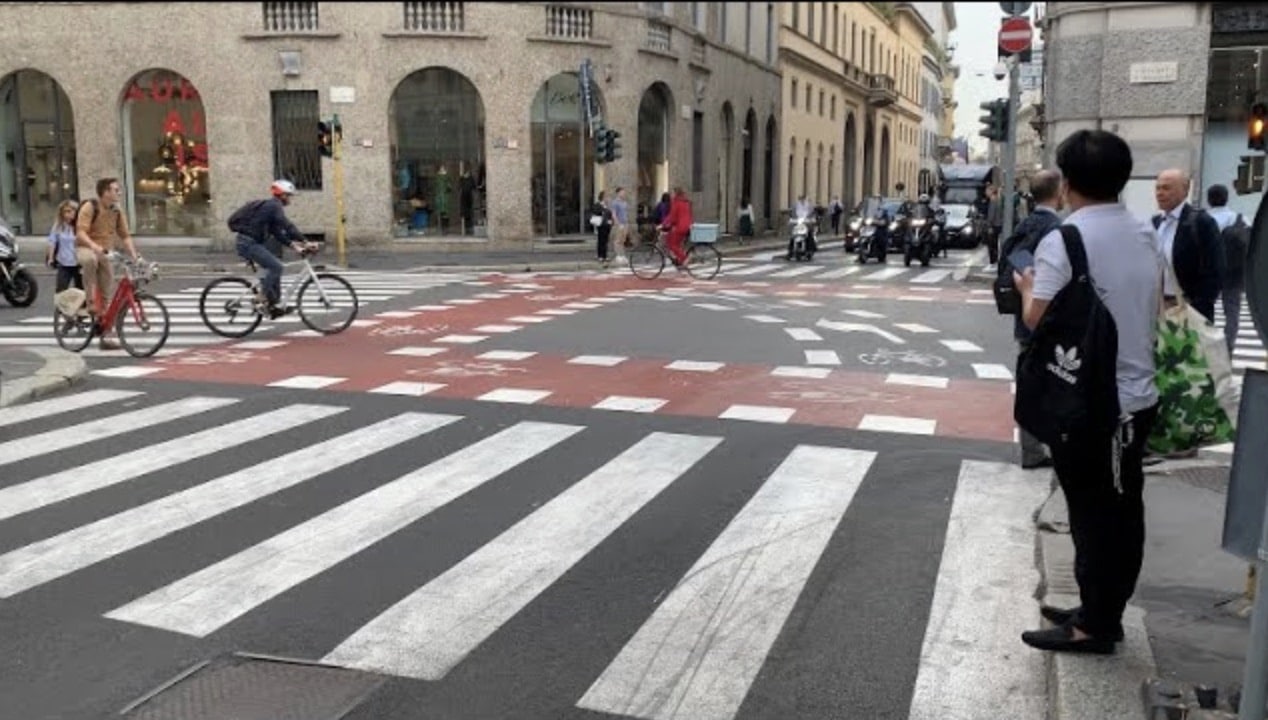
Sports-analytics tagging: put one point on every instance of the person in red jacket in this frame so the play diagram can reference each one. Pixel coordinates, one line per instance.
(678, 225)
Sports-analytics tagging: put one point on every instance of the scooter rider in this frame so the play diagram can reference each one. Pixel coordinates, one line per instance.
(804, 209)
(255, 223)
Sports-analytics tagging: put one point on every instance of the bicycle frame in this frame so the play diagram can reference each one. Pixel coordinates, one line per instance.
(292, 282)
(124, 297)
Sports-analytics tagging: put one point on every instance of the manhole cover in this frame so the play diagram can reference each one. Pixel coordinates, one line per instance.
(245, 687)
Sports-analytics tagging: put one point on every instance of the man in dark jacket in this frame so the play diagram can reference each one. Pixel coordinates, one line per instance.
(1045, 188)
(255, 223)
(1190, 240)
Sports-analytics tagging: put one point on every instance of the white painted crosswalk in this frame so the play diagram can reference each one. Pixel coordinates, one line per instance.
(189, 331)
(697, 653)
(1248, 349)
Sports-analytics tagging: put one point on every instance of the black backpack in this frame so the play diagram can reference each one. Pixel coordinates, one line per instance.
(1067, 381)
(1236, 241)
(241, 220)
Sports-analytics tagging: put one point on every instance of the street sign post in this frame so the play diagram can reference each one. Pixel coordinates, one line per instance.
(1015, 35)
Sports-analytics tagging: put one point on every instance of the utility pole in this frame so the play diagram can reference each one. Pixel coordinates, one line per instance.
(336, 156)
(1009, 150)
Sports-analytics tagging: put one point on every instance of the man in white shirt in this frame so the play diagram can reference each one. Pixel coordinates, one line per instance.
(1189, 239)
(1102, 477)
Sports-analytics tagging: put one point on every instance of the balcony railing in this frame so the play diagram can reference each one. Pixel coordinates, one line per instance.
(881, 90)
(284, 17)
(659, 36)
(439, 17)
(574, 23)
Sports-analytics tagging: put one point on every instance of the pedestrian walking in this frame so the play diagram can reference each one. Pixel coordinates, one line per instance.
(1235, 242)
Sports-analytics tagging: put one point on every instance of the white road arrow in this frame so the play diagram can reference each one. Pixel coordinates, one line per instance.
(859, 327)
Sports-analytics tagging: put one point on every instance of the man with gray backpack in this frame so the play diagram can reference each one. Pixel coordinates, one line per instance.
(1234, 240)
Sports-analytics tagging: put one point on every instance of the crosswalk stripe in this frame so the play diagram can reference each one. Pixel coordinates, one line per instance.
(969, 658)
(49, 559)
(68, 437)
(795, 271)
(67, 403)
(838, 273)
(51, 341)
(932, 276)
(205, 601)
(430, 631)
(35, 494)
(754, 269)
(697, 655)
(885, 274)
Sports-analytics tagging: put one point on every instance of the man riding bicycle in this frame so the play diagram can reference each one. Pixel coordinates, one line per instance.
(255, 223)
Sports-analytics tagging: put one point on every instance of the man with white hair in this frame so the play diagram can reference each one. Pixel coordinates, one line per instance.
(1189, 239)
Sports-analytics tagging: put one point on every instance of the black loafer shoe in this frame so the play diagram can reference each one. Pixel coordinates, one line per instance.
(1044, 463)
(1061, 616)
(1061, 639)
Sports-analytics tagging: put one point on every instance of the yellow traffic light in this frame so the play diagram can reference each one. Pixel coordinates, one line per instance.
(1255, 133)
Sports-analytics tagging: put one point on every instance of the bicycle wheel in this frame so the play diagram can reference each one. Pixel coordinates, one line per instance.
(329, 305)
(73, 332)
(143, 325)
(703, 261)
(647, 261)
(227, 307)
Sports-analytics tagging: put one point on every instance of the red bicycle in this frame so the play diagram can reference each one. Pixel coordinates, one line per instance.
(138, 314)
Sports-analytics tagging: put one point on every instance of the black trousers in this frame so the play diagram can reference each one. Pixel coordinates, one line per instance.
(1107, 520)
(67, 276)
(603, 233)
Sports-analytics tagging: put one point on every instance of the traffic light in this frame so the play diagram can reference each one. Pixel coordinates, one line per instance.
(614, 145)
(995, 122)
(325, 139)
(1255, 132)
(601, 144)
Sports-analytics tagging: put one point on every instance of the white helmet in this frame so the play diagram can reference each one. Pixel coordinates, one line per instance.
(924, 197)
(282, 187)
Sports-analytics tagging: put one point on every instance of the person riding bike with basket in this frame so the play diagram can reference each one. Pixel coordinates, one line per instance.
(256, 222)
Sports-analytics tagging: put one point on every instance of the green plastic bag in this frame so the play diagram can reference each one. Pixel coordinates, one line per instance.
(1196, 394)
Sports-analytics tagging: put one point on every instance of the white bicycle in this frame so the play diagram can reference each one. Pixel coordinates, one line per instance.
(234, 306)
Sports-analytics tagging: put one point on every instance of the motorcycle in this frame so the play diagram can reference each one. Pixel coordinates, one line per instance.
(922, 240)
(873, 240)
(17, 284)
(801, 239)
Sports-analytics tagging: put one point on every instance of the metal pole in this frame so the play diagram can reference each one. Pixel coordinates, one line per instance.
(336, 156)
(1010, 147)
(1255, 677)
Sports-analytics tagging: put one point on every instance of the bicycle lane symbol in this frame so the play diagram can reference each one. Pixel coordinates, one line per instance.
(886, 356)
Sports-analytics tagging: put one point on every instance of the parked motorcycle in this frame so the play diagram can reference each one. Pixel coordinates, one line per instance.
(17, 284)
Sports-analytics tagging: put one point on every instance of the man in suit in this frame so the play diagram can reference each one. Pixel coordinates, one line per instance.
(1189, 239)
(1045, 187)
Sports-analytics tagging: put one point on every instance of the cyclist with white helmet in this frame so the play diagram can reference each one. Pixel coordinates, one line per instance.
(255, 223)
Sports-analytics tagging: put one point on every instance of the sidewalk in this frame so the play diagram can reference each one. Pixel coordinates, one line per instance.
(1181, 631)
(29, 373)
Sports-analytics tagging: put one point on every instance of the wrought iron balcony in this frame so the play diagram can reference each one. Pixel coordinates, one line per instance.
(881, 91)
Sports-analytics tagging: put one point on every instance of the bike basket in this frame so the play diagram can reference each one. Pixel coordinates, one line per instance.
(704, 233)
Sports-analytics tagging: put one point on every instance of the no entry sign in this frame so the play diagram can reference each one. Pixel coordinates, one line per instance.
(1015, 35)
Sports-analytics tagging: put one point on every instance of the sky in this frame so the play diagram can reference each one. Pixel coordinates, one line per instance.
(975, 39)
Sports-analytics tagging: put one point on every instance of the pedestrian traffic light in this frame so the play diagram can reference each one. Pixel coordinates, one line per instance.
(1255, 133)
(614, 145)
(325, 139)
(995, 122)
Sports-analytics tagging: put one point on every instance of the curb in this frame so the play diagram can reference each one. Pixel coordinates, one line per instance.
(61, 370)
(1082, 687)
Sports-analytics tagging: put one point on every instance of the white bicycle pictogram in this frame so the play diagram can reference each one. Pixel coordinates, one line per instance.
(884, 356)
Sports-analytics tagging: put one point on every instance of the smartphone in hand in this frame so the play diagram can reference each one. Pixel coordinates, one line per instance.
(1021, 259)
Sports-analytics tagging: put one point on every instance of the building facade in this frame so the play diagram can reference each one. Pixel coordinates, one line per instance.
(1090, 50)
(851, 99)
(937, 98)
(458, 119)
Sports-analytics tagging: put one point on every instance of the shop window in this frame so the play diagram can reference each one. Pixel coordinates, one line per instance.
(436, 126)
(295, 155)
(165, 144)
